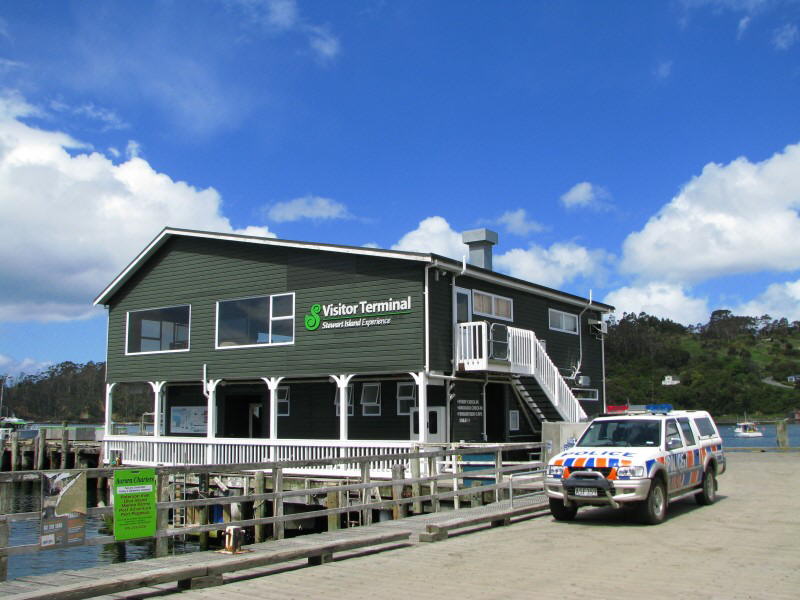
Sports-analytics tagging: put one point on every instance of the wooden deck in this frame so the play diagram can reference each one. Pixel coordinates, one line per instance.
(159, 576)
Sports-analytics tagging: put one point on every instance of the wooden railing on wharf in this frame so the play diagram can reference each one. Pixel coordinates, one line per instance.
(421, 479)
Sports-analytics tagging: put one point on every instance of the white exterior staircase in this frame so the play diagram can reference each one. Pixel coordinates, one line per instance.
(483, 347)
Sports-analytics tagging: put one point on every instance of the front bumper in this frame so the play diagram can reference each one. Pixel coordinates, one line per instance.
(608, 492)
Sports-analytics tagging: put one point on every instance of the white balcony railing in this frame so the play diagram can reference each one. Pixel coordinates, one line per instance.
(519, 352)
(170, 451)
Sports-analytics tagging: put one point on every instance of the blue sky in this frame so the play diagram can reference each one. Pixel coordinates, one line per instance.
(649, 152)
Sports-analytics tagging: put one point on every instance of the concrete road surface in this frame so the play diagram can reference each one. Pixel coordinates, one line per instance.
(747, 545)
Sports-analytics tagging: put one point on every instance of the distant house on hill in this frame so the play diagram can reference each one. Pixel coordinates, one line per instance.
(793, 378)
(670, 380)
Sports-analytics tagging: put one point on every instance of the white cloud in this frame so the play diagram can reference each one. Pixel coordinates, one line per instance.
(133, 149)
(661, 299)
(516, 222)
(663, 70)
(435, 235)
(585, 195)
(324, 44)
(7, 64)
(785, 36)
(553, 266)
(778, 300)
(370, 245)
(307, 207)
(107, 117)
(744, 23)
(735, 218)
(72, 220)
(12, 367)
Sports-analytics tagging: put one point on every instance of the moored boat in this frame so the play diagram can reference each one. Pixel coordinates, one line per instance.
(747, 429)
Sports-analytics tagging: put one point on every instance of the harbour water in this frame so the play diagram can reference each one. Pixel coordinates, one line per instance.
(26, 498)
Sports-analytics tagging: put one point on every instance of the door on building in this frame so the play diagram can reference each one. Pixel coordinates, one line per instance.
(437, 424)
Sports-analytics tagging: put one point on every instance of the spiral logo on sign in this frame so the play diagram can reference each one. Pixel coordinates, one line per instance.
(312, 319)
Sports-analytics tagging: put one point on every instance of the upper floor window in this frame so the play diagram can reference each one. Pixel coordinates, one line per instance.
(158, 330)
(259, 321)
(490, 305)
(562, 321)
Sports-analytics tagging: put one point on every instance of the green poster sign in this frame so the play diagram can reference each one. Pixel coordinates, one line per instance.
(134, 503)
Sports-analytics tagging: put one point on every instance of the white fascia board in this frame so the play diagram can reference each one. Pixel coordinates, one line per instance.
(167, 232)
(518, 285)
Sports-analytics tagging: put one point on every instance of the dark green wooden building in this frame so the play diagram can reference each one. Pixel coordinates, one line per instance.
(259, 349)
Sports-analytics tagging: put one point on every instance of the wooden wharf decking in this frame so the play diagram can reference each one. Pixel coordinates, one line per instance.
(160, 576)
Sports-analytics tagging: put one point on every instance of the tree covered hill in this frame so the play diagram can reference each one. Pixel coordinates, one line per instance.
(727, 366)
(722, 367)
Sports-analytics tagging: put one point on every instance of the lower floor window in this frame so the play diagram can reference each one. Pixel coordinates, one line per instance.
(283, 401)
(585, 394)
(371, 400)
(513, 420)
(350, 406)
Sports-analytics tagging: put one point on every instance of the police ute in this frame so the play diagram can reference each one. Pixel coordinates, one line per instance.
(640, 458)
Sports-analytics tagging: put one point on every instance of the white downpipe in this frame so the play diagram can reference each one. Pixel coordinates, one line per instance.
(427, 322)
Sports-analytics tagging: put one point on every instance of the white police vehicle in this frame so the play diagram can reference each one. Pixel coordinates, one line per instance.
(642, 458)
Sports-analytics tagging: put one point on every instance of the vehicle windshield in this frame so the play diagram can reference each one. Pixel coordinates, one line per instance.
(628, 432)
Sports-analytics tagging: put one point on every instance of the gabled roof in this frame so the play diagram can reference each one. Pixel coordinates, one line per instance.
(431, 259)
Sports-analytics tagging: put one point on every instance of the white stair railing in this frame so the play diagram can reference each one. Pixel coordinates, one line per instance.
(526, 357)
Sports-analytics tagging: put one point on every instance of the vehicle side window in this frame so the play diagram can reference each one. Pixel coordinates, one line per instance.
(673, 438)
(705, 427)
(688, 435)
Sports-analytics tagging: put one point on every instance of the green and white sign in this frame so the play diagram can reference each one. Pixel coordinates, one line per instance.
(363, 313)
(134, 503)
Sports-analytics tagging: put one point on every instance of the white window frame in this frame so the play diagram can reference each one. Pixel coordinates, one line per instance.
(513, 420)
(367, 406)
(561, 313)
(493, 314)
(286, 400)
(128, 329)
(350, 404)
(412, 397)
(581, 394)
(270, 319)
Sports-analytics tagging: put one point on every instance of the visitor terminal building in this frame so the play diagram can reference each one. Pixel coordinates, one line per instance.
(258, 349)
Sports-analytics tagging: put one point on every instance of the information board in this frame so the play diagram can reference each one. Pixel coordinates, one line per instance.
(63, 520)
(134, 503)
(188, 419)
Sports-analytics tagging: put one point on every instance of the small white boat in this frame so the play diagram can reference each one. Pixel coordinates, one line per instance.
(747, 429)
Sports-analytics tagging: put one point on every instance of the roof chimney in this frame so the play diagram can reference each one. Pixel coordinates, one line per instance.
(480, 242)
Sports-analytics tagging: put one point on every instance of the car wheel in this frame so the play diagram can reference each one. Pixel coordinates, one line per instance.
(708, 493)
(561, 512)
(654, 509)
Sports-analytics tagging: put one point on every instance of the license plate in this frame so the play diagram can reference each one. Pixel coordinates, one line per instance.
(584, 491)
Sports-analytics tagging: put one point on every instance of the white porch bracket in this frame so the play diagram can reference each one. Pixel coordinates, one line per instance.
(109, 406)
(158, 406)
(421, 379)
(272, 386)
(342, 382)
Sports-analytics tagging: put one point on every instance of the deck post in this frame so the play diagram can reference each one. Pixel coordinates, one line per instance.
(158, 402)
(109, 407)
(3, 544)
(211, 412)
(366, 513)
(272, 386)
(342, 381)
(421, 379)
(64, 445)
(14, 450)
(434, 484)
(498, 463)
(162, 515)
(277, 503)
(260, 507)
(41, 448)
(416, 487)
(202, 486)
(399, 509)
(332, 501)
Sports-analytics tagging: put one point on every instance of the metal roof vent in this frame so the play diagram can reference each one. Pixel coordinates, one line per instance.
(480, 242)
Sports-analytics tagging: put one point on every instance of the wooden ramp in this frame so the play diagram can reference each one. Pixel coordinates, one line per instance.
(160, 576)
